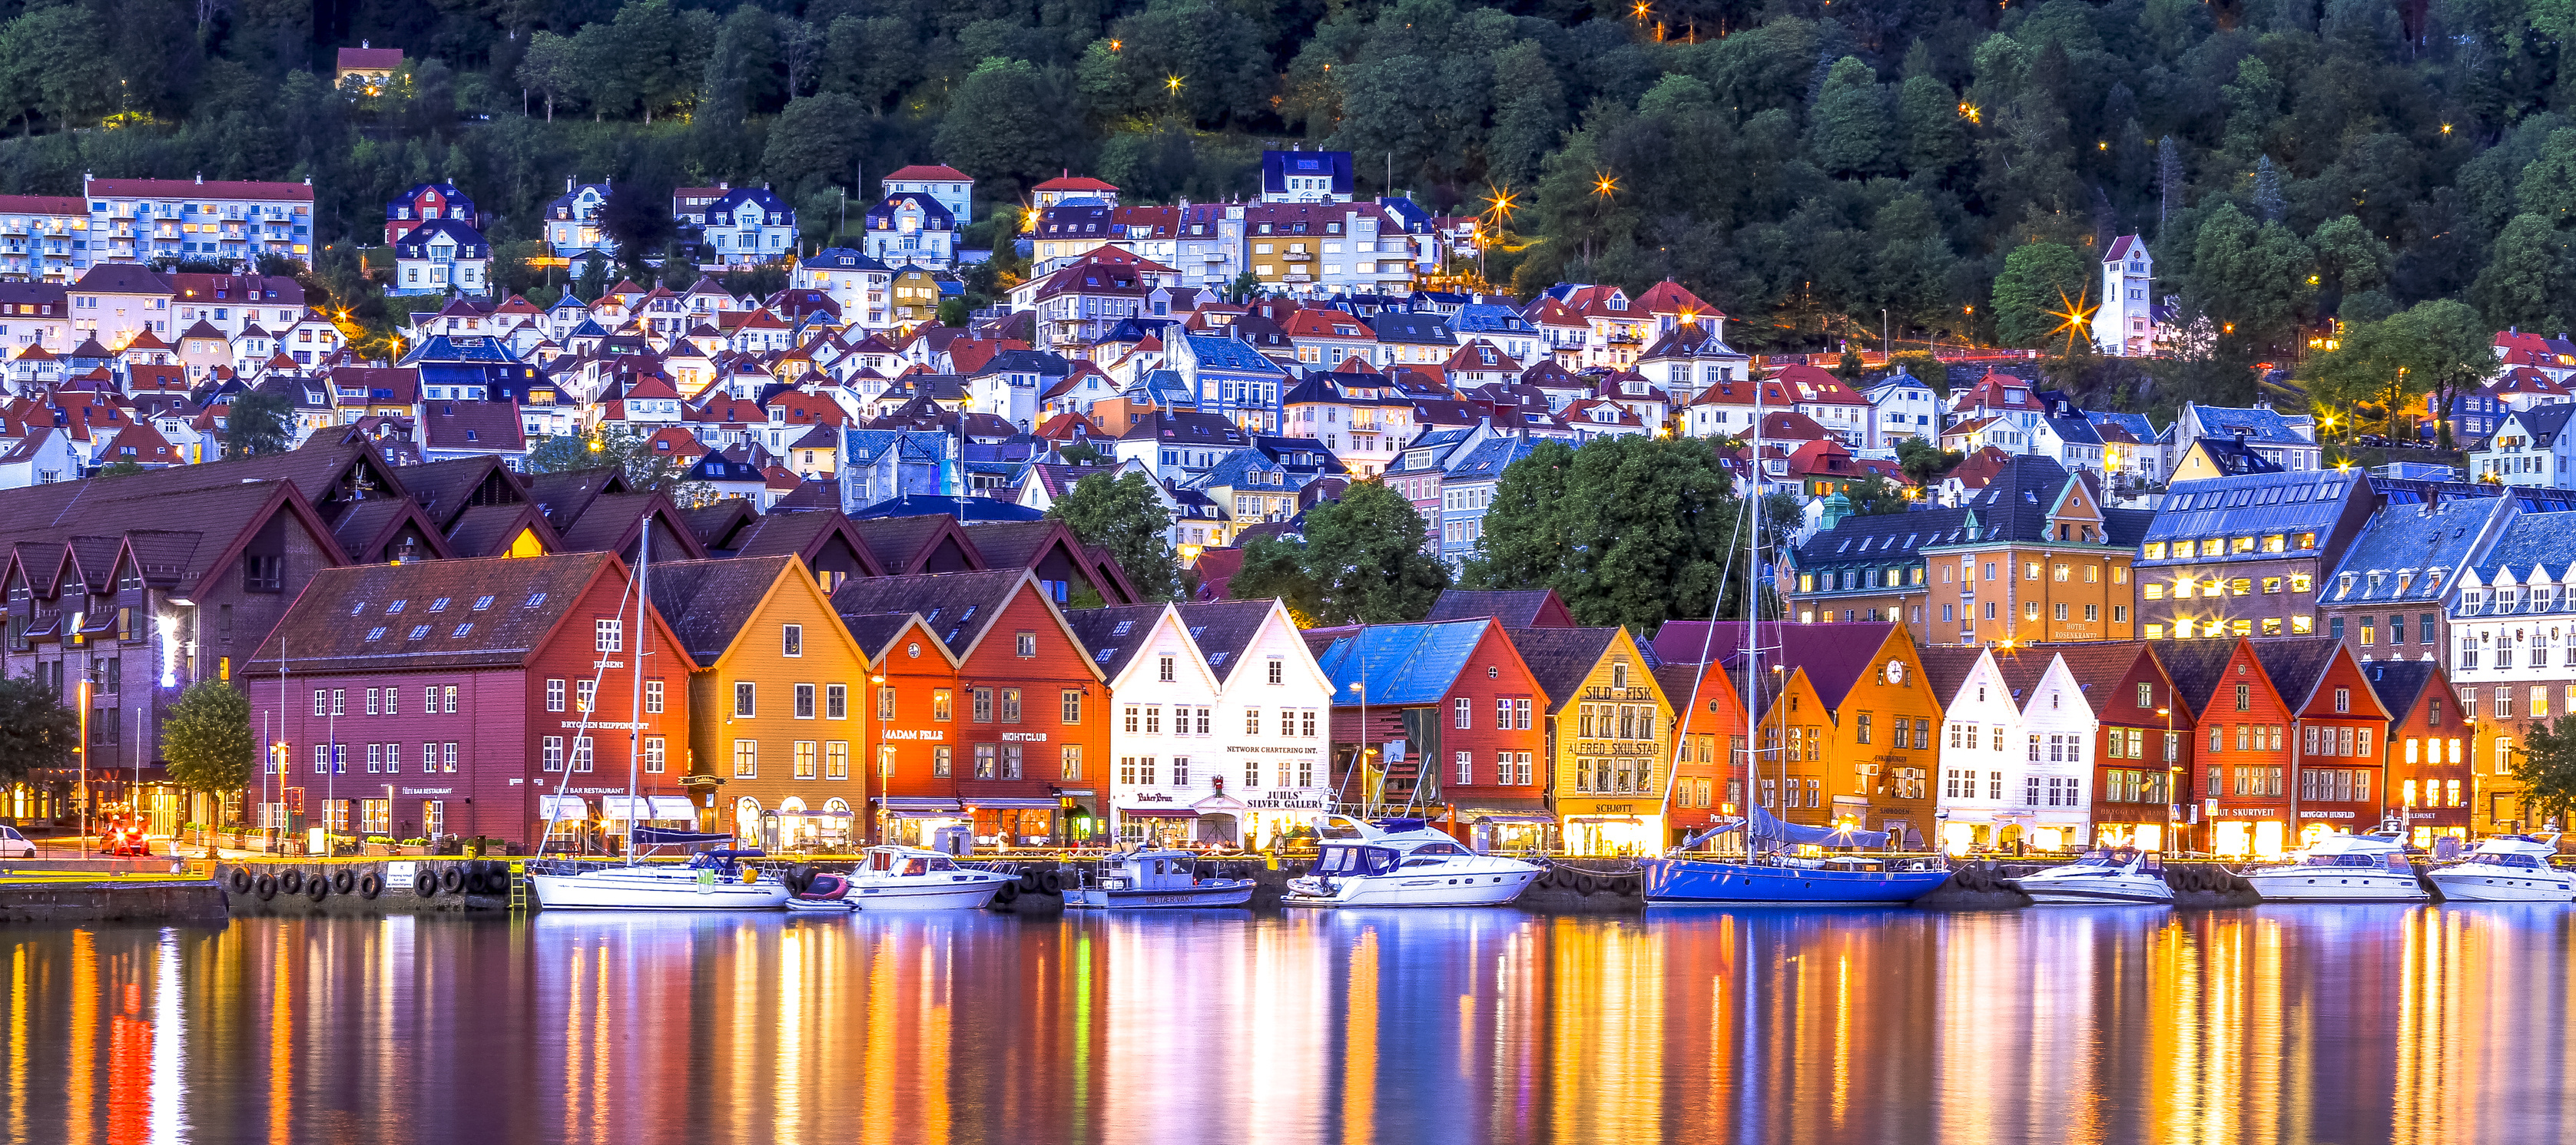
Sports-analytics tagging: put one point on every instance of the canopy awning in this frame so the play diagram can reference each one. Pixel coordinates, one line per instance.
(813, 814)
(1015, 804)
(1159, 813)
(1485, 817)
(623, 806)
(562, 807)
(673, 807)
(913, 813)
(915, 803)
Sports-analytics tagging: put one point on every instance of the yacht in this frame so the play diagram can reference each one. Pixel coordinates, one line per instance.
(712, 880)
(2506, 868)
(1772, 876)
(2122, 875)
(2344, 868)
(909, 878)
(1403, 862)
(1165, 879)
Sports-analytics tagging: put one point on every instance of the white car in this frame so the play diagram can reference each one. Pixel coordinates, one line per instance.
(14, 845)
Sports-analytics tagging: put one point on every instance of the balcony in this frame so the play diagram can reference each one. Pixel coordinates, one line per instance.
(1297, 256)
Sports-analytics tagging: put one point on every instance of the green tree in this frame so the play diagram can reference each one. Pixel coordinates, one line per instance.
(2253, 281)
(36, 731)
(1877, 496)
(1363, 561)
(1851, 128)
(814, 139)
(1124, 517)
(1628, 530)
(646, 468)
(2548, 184)
(2038, 281)
(2350, 259)
(2547, 767)
(992, 126)
(1924, 462)
(206, 737)
(258, 422)
(2528, 277)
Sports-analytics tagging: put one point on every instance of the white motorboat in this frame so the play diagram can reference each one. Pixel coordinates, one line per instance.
(712, 880)
(1403, 862)
(2506, 868)
(909, 878)
(2117, 876)
(1155, 879)
(2344, 868)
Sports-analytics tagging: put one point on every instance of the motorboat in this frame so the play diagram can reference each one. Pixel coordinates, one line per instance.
(711, 880)
(1154, 879)
(2506, 868)
(2115, 876)
(825, 892)
(2344, 868)
(1771, 878)
(1403, 862)
(910, 878)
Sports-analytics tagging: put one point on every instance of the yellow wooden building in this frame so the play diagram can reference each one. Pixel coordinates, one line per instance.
(1607, 738)
(780, 720)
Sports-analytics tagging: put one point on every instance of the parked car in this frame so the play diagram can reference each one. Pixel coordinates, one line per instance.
(14, 845)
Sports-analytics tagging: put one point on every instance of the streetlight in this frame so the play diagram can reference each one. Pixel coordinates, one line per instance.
(2173, 774)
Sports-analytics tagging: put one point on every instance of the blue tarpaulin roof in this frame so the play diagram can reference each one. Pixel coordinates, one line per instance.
(1401, 663)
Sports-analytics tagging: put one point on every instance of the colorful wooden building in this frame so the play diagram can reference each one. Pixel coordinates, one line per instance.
(2142, 746)
(1415, 706)
(781, 690)
(1609, 731)
(2430, 749)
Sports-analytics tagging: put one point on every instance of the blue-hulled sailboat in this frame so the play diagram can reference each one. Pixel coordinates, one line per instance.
(1766, 876)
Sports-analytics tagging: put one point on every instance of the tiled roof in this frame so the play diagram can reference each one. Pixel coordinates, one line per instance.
(1223, 629)
(1112, 636)
(1560, 658)
(1515, 608)
(706, 603)
(957, 606)
(2413, 552)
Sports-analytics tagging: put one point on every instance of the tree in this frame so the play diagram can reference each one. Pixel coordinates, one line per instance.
(2547, 768)
(2530, 269)
(1124, 517)
(1079, 453)
(992, 127)
(206, 737)
(258, 422)
(1628, 530)
(1924, 462)
(1851, 125)
(1362, 562)
(2267, 191)
(814, 139)
(1877, 496)
(646, 467)
(2252, 280)
(36, 731)
(2038, 281)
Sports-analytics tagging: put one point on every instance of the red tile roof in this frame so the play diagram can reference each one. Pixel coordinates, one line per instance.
(186, 189)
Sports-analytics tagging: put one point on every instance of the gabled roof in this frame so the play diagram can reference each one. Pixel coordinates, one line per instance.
(1403, 663)
(1560, 658)
(2298, 665)
(1112, 636)
(344, 621)
(2197, 668)
(958, 607)
(2399, 684)
(707, 603)
(1224, 629)
(1525, 608)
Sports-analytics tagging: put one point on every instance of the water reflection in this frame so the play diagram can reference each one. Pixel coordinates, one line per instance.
(2410, 1024)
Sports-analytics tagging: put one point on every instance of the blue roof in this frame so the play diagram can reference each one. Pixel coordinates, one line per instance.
(1489, 460)
(757, 195)
(1230, 469)
(2259, 424)
(932, 505)
(1217, 352)
(470, 243)
(2256, 504)
(933, 216)
(1401, 663)
(1278, 166)
(1485, 317)
(2406, 544)
(461, 348)
(866, 446)
(841, 258)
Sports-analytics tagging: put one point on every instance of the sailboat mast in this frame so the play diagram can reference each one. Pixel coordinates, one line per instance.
(635, 700)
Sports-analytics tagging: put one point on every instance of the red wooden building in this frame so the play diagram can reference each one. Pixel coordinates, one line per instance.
(2142, 752)
(1027, 729)
(1432, 692)
(2430, 748)
(472, 697)
(2238, 785)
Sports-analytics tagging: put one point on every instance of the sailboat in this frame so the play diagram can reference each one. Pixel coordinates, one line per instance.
(713, 879)
(1771, 872)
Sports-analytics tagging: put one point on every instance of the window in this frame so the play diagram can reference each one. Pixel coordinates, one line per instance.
(804, 761)
(555, 694)
(940, 761)
(655, 756)
(1012, 756)
(652, 698)
(745, 698)
(1465, 714)
(746, 759)
(2244, 697)
(804, 701)
(583, 692)
(1502, 714)
(1011, 705)
(1163, 669)
(983, 702)
(836, 701)
(550, 753)
(940, 705)
(1467, 767)
(1028, 646)
(608, 634)
(1070, 703)
(1278, 670)
(1521, 715)
(371, 700)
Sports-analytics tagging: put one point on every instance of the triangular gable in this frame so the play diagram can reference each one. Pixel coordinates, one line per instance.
(670, 639)
(503, 530)
(287, 500)
(803, 584)
(912, 628)
(1029, 585)
(388, 528)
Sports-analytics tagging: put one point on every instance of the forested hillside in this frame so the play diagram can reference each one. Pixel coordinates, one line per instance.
(1804, 164)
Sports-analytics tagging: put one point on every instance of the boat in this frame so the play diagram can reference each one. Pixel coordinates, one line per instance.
(827, 892)
(1163, 879)
(2114, 876)
(910, 878)
(2506, 868)
(1403, 862)
(711, 880)
(2344, 868)
(1768, 875)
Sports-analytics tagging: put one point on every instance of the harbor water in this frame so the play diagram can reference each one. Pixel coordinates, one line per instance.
(2276, 1024)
